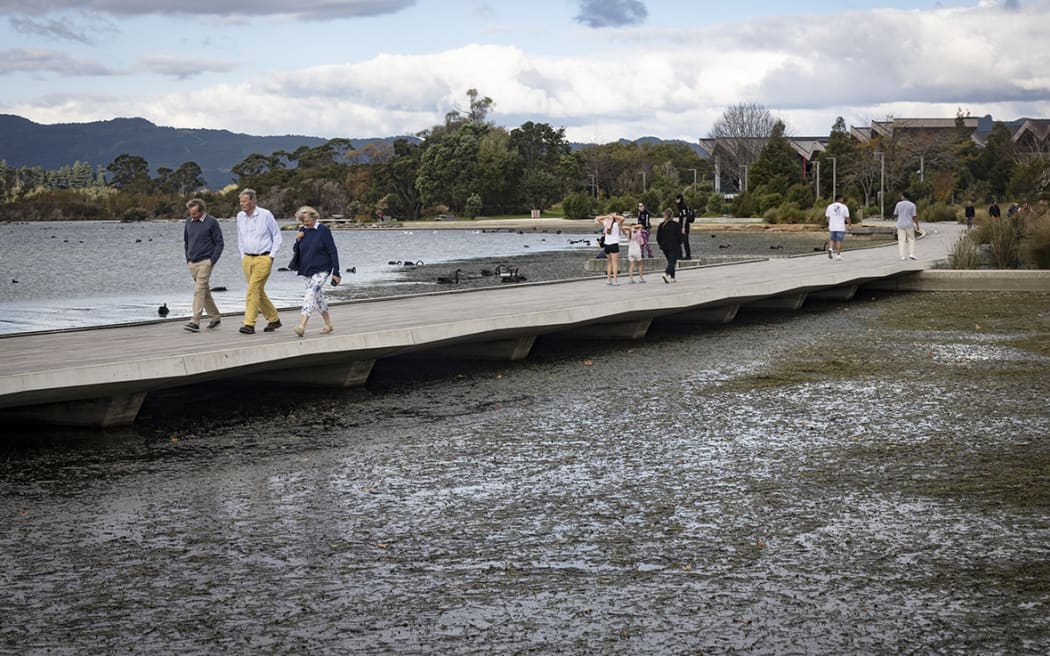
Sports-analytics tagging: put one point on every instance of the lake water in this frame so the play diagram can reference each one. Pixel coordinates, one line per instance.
(76, 274)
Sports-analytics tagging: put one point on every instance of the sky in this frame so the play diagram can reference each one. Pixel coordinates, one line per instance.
(601, 69)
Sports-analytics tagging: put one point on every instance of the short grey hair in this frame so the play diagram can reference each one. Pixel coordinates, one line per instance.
(250, 193)
(199, 204)
(306, 210)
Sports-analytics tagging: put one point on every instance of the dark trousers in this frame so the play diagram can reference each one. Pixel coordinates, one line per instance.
(686, 252)
(672, 261)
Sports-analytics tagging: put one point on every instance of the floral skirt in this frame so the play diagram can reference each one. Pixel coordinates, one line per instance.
(315, 299)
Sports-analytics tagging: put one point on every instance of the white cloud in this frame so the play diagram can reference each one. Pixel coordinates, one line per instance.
(40, 60)
(182, 67)
(301, 9)
(857, 65)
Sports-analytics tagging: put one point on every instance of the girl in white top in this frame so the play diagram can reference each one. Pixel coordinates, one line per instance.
(611, 226)
(634, 251)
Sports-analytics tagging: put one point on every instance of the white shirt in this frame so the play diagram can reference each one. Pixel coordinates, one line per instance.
(905, 212)
(258, 233)
(837, 214)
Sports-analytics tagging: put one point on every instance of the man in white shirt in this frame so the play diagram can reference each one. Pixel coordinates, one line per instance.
(838, 219)
(907, 225)
(258, 239)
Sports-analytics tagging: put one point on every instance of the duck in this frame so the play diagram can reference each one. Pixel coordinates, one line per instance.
(512, 275)
(352, 269)
(163, 310)
(777, 247)
(218, 289)
(449, 280)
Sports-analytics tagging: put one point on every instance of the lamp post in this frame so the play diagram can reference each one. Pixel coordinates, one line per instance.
(694, 180)
(882, 184)
(594, 185)
(643, 181)
(834, 180)
(816, 171)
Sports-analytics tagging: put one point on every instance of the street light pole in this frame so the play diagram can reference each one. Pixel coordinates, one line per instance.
(882, 184)
(594, 185)
(816, 166)
(834, 180)
(694, 180)
(643, 181)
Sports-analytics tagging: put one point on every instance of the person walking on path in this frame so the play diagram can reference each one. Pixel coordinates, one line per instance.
(685, 221)
(838, 219)
(316, 259)
(612, 225)
(993, 210)
(258, 239)
(669, 238)
(970, 214)
(634, 252)
(907, 225)
(202, 240)
(645, 220)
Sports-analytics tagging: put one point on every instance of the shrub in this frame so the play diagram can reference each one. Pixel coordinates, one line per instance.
(801, 195)
(936, 212)
(620, 205)
(964, 253)
(135, 214)
(742, 206)
(786, 212)
(715, 204)
(472, 207)
(1035, 247)
(578, 206)
(1004, 240)
(766, 202)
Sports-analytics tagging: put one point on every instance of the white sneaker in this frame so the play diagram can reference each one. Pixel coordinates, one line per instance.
(838, 256)
(913, 257)
(904, 258)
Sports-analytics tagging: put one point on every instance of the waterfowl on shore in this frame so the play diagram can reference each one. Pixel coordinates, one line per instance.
(352, 269)
(218, 289)
(163, 310)
(511, 275)
(449, 280)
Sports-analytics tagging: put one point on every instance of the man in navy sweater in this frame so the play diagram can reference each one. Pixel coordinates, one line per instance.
(202, 238)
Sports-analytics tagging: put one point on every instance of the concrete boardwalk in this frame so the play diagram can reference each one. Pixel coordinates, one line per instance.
(101, 376)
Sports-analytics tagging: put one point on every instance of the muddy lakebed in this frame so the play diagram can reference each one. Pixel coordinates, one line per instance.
(870, 477)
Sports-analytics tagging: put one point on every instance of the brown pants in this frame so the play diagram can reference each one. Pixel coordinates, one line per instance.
(202, 300)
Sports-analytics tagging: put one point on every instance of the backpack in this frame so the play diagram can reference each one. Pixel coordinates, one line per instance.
(690, 215)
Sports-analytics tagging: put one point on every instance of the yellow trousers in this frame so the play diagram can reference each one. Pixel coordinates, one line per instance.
(257, 272)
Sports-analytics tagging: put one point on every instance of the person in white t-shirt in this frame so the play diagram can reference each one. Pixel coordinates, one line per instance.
(907, 225)
(838, 219)
(612, 225)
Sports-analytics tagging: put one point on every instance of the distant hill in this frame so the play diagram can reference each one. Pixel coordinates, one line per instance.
(693, 145)
(25, 143)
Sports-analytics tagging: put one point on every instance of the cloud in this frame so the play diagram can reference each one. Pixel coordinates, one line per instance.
(51, 29)
(39, 60)
(303, 9)
(183, 68)
(611, 13)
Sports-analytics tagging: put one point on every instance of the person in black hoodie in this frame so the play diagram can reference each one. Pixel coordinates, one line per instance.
(685, 220)
(669, 237)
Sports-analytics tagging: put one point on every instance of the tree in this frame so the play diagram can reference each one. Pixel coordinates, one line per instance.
(742, 130)
(778, 166)
(395, 181)
(129, 173)
(449, 171)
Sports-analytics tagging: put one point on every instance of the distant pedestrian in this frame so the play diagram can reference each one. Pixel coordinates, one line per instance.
(669, 238)
(645, 220)
(686, 216)
(612, 225)
(202, 240)
(971, 212)
(634, 252)
(258, 239)
(993, 210)
(907, 225)
(316, 259)
(838, 220)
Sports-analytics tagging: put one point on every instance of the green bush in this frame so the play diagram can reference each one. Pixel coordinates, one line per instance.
(936, 212)
(742, 206)
(786, 212)
(578, 206)
(801, 195)
(716, 204)
(473, 206)
(767, 202)
(621, 205)
(135, 214)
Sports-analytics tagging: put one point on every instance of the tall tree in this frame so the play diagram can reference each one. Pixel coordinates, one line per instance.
(742, 130)
(778, 165)
(129, 173)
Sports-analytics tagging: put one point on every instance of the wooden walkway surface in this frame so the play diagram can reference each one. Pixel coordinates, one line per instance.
(129, 361)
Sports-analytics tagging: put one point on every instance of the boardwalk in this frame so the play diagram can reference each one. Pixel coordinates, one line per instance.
(100, 376)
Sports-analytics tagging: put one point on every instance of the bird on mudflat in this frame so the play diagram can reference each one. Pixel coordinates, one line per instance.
(448, 280)
(163, 310)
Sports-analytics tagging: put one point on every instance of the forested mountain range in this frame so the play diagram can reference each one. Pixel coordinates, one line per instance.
(25, 143)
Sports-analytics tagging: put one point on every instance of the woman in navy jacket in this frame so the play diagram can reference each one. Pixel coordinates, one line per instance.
(315, 258)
